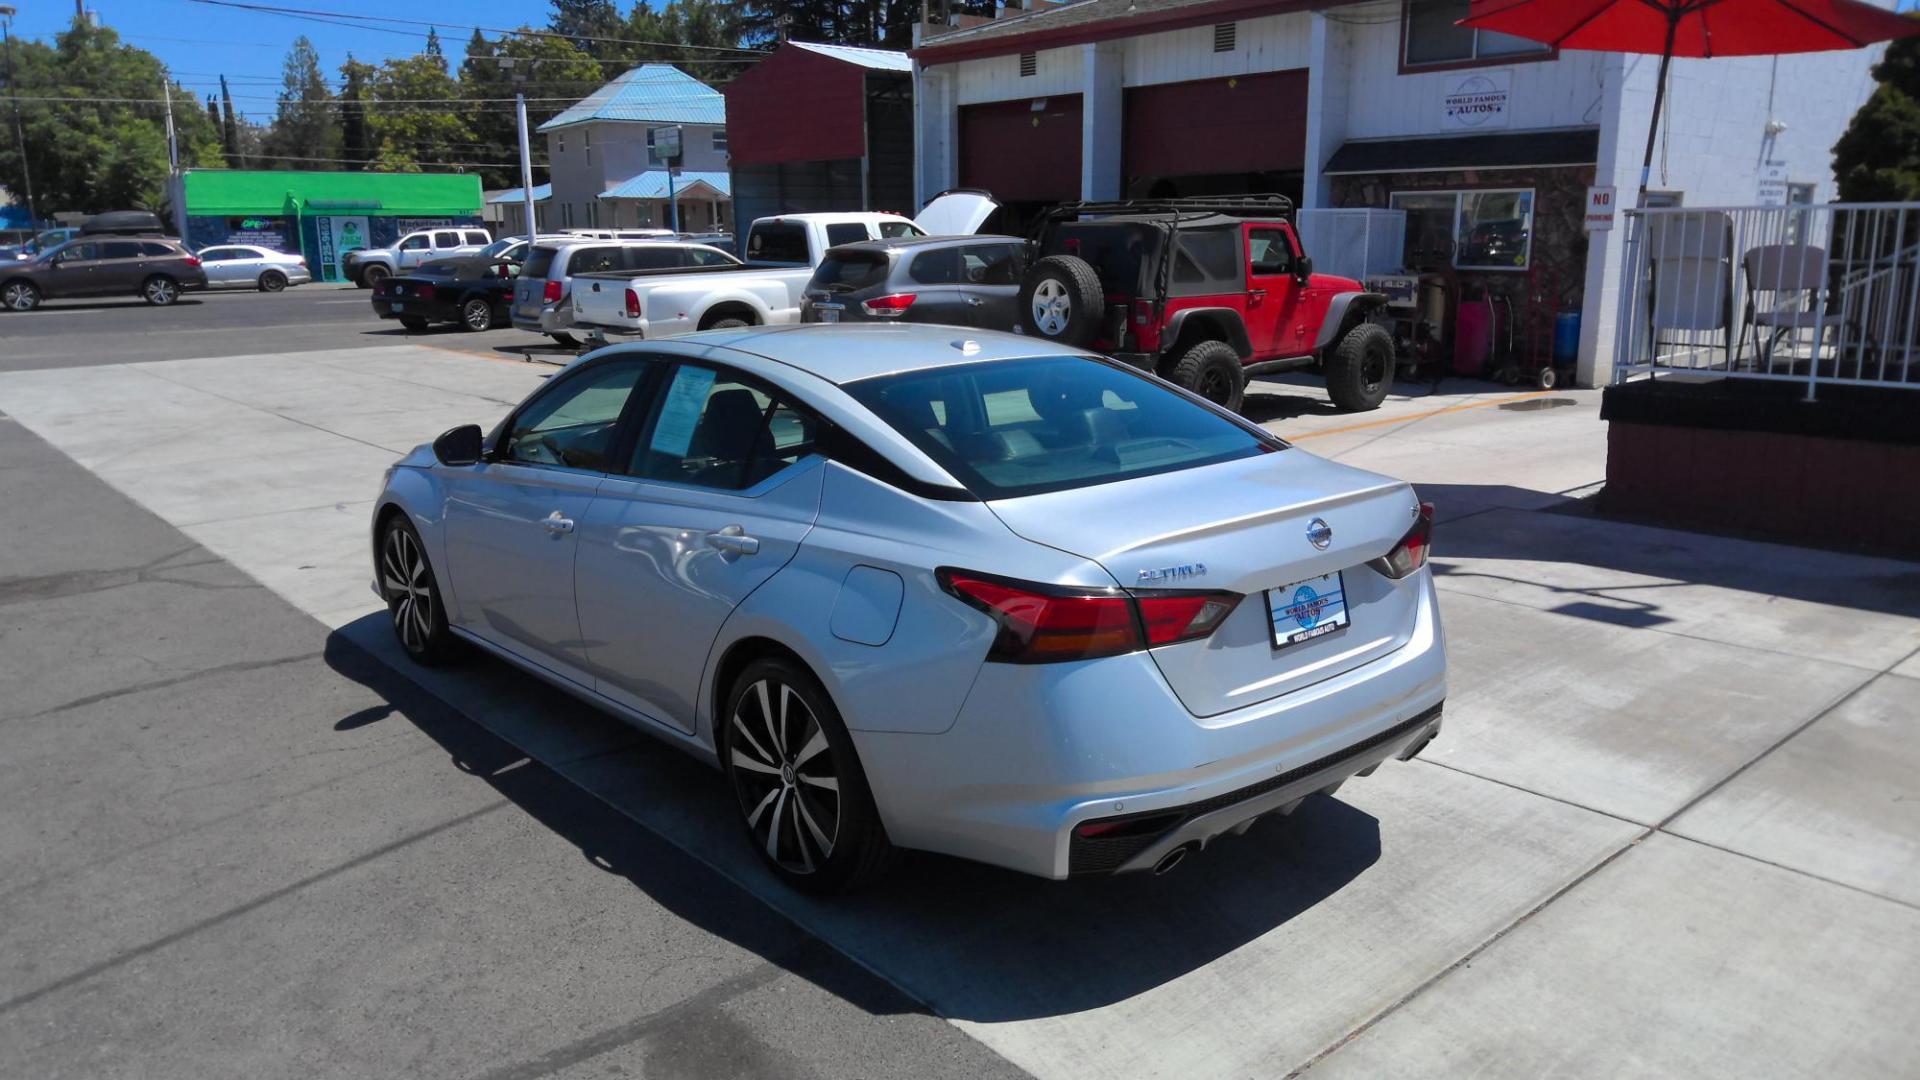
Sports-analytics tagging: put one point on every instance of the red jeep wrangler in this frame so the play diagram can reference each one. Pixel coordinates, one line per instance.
(1206, 292)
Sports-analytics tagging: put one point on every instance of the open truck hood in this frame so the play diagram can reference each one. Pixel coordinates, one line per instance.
(1242, 527)
(956, 213)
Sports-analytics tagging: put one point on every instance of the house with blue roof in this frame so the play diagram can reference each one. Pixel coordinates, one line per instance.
(605, 172)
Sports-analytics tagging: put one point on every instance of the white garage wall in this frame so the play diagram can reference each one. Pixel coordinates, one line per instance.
(1564, 92)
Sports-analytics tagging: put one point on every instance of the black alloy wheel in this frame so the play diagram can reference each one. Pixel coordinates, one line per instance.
(477, 314)
(413, 597)
(801, 793)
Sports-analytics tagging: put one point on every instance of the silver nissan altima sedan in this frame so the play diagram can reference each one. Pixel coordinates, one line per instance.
(911, 586)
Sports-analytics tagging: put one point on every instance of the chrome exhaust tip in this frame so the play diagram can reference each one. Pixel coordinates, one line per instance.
(1172, 859)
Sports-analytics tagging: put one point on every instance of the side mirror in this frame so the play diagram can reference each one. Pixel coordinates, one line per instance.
(458, 446)
(1303, 268)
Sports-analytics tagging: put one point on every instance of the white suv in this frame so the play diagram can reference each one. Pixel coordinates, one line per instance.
(368, 266)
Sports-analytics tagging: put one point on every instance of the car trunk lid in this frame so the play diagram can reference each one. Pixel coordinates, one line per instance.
(1243, 527)
(956, 213)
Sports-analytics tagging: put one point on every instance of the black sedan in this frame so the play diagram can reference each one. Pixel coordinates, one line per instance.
(472, 292)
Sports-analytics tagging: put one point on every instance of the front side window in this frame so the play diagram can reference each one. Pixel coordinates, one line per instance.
(414, 243)
(1268, 253)
(573, 424)
(1474, 230)
(1024, 427)
(1434, 38)
(75, 252)
(718, 430)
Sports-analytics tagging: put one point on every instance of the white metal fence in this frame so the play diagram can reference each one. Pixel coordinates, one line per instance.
(1809, 294)
(1354, 243)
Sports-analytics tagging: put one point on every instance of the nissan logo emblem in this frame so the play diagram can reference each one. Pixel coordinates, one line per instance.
(1319, 533)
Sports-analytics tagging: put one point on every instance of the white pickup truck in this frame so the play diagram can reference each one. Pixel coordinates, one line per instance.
(780, 254)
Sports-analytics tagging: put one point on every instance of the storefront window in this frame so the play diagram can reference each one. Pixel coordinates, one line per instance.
(1433, 37)
(1475, 230)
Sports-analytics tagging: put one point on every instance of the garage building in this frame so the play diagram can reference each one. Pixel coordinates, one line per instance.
(822, 127)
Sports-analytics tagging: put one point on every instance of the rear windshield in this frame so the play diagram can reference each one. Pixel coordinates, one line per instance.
(849, 271)
(539, 261)
(778, 242)
(1023, 427)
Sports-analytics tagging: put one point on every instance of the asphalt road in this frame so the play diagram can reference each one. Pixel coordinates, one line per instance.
(306, 318)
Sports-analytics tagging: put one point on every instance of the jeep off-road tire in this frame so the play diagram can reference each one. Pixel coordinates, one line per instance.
(1212, 370)
(1360, 368)
(1061, 300)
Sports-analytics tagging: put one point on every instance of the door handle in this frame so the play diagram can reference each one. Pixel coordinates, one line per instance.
(975, 301)
(556, 524)
(734, 539)
(1257, 294)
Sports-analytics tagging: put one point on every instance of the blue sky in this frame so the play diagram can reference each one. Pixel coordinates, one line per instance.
(199, 43)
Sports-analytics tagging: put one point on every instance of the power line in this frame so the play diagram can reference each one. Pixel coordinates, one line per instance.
(310, 13)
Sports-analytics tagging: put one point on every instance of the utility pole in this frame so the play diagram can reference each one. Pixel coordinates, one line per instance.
(176, 187)
(526, 150)
(19, 131)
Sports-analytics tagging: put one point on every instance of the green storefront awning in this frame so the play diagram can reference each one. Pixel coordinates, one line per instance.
(234, 192)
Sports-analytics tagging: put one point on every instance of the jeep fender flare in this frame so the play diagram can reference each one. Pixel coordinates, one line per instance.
(1227, 324)
(1343, 305)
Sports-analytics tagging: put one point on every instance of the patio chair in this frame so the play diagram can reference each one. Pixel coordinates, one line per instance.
(1690, 262)
(1792, 276)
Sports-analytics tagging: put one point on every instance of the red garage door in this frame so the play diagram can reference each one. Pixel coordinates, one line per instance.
(1022, 151)
(1243, 124)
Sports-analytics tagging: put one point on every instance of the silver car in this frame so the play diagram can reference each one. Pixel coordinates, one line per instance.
(244, 266)
(915, 587)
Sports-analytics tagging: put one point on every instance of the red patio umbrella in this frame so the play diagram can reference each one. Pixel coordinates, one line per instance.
(1696, 28)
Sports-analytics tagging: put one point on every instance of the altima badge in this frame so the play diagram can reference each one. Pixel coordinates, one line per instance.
(1174, 573)
(1319, 533)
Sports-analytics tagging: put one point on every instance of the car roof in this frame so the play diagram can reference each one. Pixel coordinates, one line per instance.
(895, 243)
(844, 353)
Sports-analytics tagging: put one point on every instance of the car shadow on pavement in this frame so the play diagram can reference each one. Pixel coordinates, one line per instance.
(971, 942)
(132, 303)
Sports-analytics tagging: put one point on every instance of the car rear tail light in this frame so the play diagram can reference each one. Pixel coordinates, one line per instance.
(193, 260)
(425, 292)
(1042, 624)
(551, 294)
(888, 306)
(1410, 553)
(1182, 616)
(633, 304)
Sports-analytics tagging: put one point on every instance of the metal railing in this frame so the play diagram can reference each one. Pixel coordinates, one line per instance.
(1810, 294)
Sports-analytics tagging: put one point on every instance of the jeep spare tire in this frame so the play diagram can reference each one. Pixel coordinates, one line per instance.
(1360, 368)
(1061, 300)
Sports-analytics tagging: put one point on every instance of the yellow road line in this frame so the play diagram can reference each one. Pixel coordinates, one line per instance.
(1411, 417)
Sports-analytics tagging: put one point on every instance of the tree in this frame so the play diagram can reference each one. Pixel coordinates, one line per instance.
(307, 123)
(557, 71)
(356, 138)
(88, 154)
(1878, 158)
(229, 129)
(412, 117)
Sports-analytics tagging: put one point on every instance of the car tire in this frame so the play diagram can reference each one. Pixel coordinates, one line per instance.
(19, 296)
(160, 290)
(373, 275)
(561, 337)
(1061, 301)
(272, 281)
(803, 797)
(476, 315)
(414, 323)
(413, 595)
(1212, 370)
(731, 322)
(1360, 371)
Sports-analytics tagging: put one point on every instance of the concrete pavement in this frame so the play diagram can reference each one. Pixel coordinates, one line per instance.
(1674, 802)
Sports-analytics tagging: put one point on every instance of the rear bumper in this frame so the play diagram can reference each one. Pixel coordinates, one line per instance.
(550, 320)
(1039, 750)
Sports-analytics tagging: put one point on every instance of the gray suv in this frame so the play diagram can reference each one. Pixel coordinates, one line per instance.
(154, 268)
(541, 296)
(954, 280)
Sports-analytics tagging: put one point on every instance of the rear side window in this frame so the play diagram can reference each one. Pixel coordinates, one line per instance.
(163, 251)
(778, 242)
(1206, 257)
(653, 257)
(538, 263)
(446, 239)
(703, 257)
(991, 264)
(1024, 427)
(941, 266)
(849, 271)
(475, 237)
(594, 260)
(846, 232)
(121, 249)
